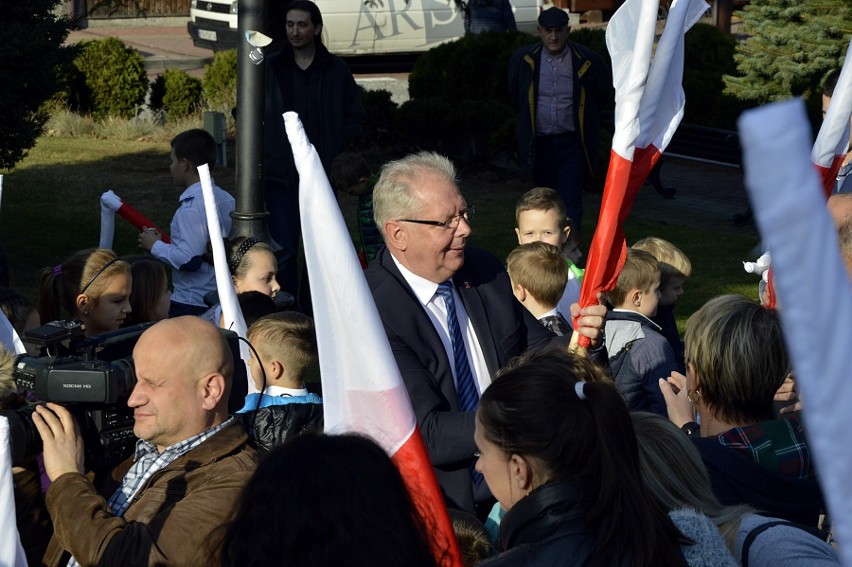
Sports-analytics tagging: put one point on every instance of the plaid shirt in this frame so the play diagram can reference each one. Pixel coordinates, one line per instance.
(147, 462)
(778, 445)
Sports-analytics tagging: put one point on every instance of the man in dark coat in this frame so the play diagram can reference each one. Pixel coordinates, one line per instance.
(448, 311)
(557, 87)
(303, 77)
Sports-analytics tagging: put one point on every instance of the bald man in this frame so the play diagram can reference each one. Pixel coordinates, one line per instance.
(191, 461)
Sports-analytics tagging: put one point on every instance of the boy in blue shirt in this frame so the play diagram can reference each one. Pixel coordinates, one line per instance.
(192, 277)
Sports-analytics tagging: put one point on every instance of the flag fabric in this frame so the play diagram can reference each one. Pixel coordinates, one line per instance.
(112, 204)
(232, 315)
(362, 387)
(11, 550)
(813, 287)
(833, 138)
(649, 103)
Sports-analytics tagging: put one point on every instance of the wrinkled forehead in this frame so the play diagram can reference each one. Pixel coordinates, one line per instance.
(430, 188)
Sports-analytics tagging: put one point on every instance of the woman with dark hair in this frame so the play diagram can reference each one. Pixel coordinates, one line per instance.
(558, 452)
(322, 500)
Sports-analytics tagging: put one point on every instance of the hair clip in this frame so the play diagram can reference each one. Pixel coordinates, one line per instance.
(57, 271)
(580, 389)
(237, 259)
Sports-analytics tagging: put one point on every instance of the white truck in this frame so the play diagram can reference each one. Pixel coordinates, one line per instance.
(360, 27)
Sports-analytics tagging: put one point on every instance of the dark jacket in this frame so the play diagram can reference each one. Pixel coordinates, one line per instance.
(737, 479)
(591, 83)
(169, 521)
(638, 356)
(272, 426)
(546, 528)
(665, 319)
(332, 114)
(505, 329)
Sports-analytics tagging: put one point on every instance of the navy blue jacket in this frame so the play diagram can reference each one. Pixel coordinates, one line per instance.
(335, 116)
(504, 328)
(638, 356)
(591, 83)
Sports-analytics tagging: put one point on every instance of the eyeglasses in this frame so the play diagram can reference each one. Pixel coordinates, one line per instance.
(452, 223)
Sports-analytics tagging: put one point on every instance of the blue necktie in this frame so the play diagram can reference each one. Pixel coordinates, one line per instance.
(468, 398)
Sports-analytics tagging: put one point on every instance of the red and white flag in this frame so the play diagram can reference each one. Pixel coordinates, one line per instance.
(649, 103)
(362, 388)
(832, 141)
(112, 204)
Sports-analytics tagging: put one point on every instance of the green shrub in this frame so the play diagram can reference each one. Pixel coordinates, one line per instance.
(708, 55)
(459, 97)
(220, 82)
(176, 93)
(380, 111)
(110, 79)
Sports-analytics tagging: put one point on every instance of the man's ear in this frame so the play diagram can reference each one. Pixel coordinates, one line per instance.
(396, 236)
(521, 473)
(319, 30)
(213, 389)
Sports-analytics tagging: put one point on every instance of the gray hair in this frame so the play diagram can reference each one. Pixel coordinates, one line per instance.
(673, 472)
(394, 194)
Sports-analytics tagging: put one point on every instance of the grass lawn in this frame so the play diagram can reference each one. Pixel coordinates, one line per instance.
(50, 209)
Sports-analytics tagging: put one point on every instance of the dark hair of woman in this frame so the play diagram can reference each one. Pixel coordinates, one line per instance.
(150, 281)
(535, 411)
(323, 500)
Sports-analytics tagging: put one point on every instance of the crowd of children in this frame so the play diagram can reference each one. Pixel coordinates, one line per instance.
(648, 366)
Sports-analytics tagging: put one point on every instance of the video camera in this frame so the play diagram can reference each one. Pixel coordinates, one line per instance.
(92, 377)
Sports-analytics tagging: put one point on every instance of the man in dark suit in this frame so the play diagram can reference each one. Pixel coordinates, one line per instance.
(448, 311)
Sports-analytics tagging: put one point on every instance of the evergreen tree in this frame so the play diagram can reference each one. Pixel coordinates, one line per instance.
(31, 54)
(791, 45)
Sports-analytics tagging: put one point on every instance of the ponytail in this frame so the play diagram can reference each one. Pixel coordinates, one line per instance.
(60, 285)
(628, 521)
(562, 410)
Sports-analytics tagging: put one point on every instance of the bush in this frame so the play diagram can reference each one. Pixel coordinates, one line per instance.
(380, 111)
(110, 79)
(459, 97)
(220, 82)
(708, 56)
(176, 93)
(31, 52)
